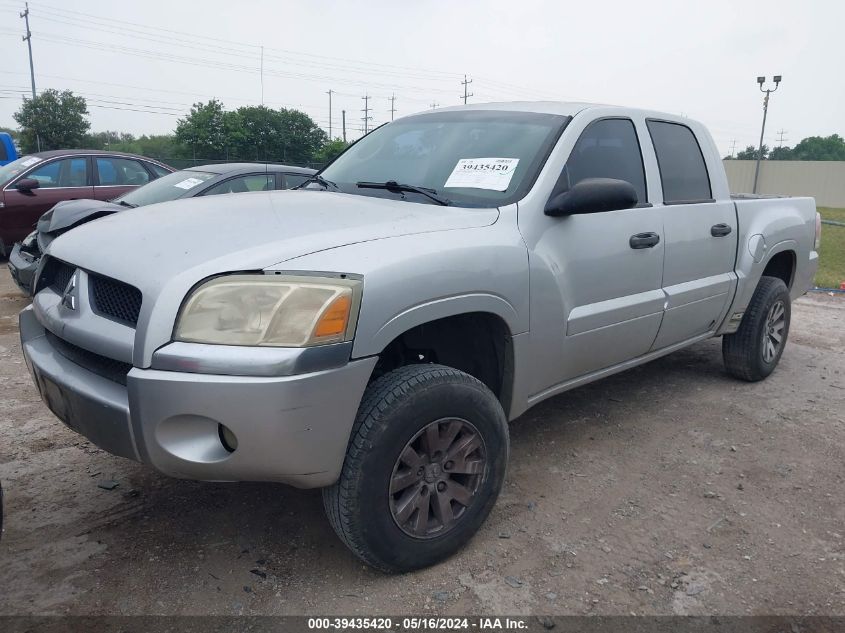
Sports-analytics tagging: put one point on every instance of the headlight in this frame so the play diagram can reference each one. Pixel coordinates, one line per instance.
(270, 310)
(30, 240)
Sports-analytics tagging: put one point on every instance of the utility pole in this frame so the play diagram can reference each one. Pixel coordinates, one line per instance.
(28, 39)
(344, 125)
(780, 137)
(330, 113)
(761, 81)
(366, 110)
(466, 82)
(733, 148)
(434, 105)
(392, 100)
(261, 73)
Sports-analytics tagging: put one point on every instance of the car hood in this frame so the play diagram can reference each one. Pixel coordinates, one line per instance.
(190, 239)
(72, 212)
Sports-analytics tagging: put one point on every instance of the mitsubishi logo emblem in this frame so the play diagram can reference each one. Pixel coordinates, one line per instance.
(69, 296)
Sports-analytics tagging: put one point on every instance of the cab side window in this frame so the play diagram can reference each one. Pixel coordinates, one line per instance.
(294, 180)
(66, 172)
(608, 148)
(243, 184)
(682, 169)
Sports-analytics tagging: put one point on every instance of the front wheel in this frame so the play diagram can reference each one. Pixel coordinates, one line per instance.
(425, 464)
(753, 351)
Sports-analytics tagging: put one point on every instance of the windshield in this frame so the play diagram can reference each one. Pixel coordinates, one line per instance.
(472, 158)
(166, 188)
(7, 172)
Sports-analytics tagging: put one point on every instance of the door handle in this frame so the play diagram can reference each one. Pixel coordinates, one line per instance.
(720, 230)
(644, 240)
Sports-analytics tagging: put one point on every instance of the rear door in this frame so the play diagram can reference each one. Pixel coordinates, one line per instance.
(700, 234)
(115, 175)
(59, 179)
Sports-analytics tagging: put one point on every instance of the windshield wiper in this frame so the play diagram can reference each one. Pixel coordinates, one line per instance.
(123, 203)
(327, 184)
(392, 185)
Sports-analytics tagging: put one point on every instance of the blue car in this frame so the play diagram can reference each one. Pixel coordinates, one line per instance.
(8, 152)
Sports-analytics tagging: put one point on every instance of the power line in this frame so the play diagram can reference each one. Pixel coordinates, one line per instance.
(217, 64)
(733, 147)
(434, 105)
(392, 100)
(780, 137)
(163, 90)
(98, 22)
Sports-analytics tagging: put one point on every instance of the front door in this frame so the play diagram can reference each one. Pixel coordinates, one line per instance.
(60, 179)
(606, 267)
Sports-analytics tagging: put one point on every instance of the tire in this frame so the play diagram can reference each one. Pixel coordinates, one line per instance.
(752, 352)
(368, 506)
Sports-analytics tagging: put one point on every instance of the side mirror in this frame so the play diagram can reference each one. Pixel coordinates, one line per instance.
(593, 195)
(27, 184)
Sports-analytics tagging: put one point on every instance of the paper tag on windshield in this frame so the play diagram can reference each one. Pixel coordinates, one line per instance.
(483, 173)
(30, 161)
(188, 183)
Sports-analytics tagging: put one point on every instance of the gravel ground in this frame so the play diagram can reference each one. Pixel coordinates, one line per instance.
(669, 489)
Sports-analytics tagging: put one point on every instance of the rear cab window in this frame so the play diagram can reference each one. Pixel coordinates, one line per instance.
(683, 172)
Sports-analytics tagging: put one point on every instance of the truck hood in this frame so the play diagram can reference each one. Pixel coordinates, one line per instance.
(71, 212)
(191, 239)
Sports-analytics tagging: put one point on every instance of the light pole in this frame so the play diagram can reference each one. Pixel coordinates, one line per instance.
(760, 82)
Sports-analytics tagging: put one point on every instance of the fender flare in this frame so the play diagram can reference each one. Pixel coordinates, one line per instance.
(433, 310)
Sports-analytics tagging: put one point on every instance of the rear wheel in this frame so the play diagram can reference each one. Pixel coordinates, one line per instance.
(753, 352)
(424, 467)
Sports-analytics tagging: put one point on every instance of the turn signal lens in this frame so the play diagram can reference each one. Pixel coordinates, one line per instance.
(334, 318)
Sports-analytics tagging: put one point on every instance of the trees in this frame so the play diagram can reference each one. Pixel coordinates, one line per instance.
(330, 151)
(819, 148)
(204, 130)
(750, 153)
(250, 133)
(780, 153)
(57, 118)
(811, 148)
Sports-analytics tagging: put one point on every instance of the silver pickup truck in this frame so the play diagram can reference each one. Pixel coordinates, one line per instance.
(373, 332)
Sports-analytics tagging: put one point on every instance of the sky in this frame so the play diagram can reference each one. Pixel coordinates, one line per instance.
(141, 65)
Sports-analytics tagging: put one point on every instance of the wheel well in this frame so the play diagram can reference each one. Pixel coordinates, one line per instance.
(781, 266)
(477, 343)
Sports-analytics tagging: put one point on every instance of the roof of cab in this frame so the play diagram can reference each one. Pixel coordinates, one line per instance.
(563, 108)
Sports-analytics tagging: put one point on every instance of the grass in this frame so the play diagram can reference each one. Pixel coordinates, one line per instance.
(832, 252)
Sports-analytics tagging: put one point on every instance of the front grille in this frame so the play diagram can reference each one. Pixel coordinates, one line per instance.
(109, 368)
(55, 275)
(115, 299)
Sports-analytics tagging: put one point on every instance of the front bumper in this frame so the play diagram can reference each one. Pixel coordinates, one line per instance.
(22, 265)
(290, 429)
